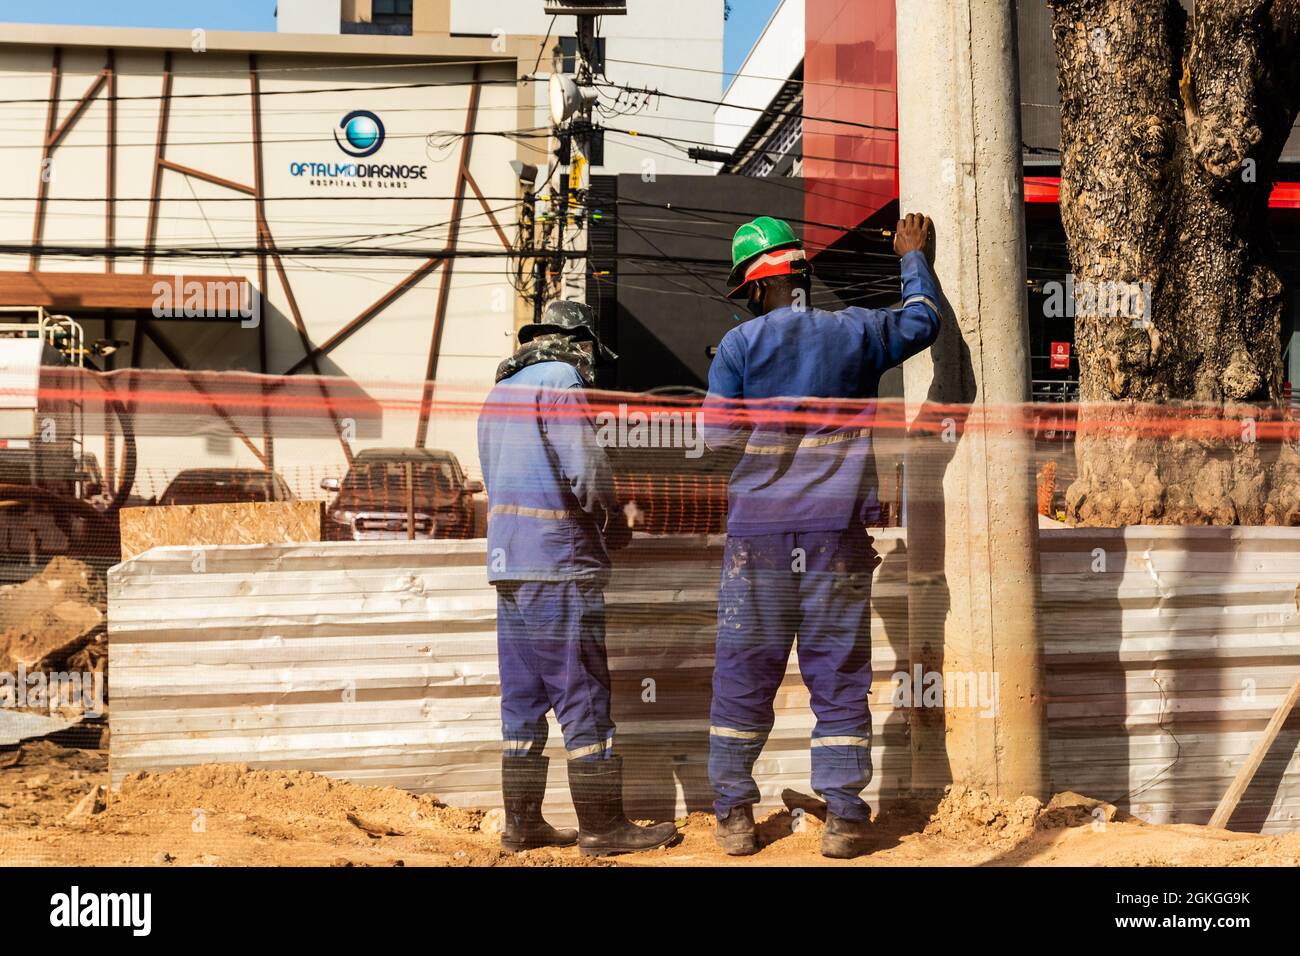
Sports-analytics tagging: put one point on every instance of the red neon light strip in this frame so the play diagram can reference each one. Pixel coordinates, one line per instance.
(1048, 189)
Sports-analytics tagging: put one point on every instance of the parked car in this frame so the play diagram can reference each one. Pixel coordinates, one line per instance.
(208, 486)
(373, 497)
(37, 524)
(55, 468)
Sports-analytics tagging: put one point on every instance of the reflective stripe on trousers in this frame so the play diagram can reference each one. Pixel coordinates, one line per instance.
(763, 604)
(551, 652)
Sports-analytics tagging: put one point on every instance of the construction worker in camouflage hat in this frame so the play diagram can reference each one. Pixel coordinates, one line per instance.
(553, 518)
(567, 317)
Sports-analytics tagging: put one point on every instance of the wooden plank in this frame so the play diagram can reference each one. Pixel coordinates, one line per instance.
(254, 522)
(44, 170)
(71, 291)
(1223, 812)
(207, 177)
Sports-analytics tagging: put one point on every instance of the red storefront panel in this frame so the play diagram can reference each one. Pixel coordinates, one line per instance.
(850, 74)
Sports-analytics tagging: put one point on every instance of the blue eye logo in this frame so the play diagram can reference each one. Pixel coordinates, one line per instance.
(363, 133)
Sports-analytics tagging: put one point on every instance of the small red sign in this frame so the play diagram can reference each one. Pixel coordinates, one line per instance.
(1061, 355)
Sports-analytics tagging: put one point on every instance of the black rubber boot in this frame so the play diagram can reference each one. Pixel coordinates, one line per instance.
(843, 839)
(523, 785)
(735, 834)
(603, 828)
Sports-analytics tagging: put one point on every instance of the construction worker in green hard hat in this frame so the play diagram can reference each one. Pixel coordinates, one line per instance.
(793, 388)
(761, 249)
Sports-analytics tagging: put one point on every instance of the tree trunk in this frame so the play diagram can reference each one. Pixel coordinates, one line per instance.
(1171, 131)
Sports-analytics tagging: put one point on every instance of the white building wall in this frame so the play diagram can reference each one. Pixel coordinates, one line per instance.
(670, 45)
(675, 46)
(308, 16)
(388, 356)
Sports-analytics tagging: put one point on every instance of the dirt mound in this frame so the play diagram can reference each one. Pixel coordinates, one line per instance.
(1070, 809)
(49, 616)
(297, 796)
(221, 814)
(40, 781)
(974, 816)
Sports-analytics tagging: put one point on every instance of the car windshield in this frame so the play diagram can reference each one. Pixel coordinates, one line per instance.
(388, 477)
(210, 488)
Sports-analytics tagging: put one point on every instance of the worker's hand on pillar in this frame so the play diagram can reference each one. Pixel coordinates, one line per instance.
(912, 234)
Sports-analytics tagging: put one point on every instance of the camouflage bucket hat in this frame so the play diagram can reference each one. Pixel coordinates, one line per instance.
(570, 318)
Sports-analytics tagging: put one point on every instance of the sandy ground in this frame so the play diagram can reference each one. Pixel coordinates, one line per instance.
(228, 815)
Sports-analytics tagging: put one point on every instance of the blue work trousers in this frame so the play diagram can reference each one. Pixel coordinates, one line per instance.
(551, 649)
(814, 587)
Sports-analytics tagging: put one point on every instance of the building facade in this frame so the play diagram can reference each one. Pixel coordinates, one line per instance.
(817, 98)
(354, 186)
(672, 46)
(348, 178)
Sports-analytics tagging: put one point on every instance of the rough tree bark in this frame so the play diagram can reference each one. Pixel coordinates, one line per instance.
(1171, 128)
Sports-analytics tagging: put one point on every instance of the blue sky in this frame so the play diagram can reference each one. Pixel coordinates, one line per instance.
(746, 21)
(748, 17)
(185, 14)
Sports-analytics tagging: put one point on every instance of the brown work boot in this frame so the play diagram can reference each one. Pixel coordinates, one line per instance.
(843, 839)
(735, 832)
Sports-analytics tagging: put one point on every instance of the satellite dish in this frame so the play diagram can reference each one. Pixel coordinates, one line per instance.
(564, 97)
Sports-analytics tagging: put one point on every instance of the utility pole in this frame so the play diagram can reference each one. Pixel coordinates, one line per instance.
(972, 527)
(527, 238)
(572, 98)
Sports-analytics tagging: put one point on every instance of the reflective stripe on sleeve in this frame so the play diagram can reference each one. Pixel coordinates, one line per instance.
(922, 298)
(524, 512)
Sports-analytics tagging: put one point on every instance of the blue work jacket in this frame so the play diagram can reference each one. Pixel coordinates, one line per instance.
(549, 484)
(807, 463)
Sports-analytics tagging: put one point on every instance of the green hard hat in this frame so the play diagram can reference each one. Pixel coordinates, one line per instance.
(755, 238)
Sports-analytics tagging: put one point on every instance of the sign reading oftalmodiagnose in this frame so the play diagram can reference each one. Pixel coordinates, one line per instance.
(359, 135)
(1060, 355)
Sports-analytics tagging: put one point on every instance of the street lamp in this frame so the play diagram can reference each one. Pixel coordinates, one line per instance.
(526, 173)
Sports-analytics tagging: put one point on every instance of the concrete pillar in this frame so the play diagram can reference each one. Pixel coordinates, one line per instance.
(972, 525)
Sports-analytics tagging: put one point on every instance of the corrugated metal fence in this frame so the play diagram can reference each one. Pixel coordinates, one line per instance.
(1167, 649)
